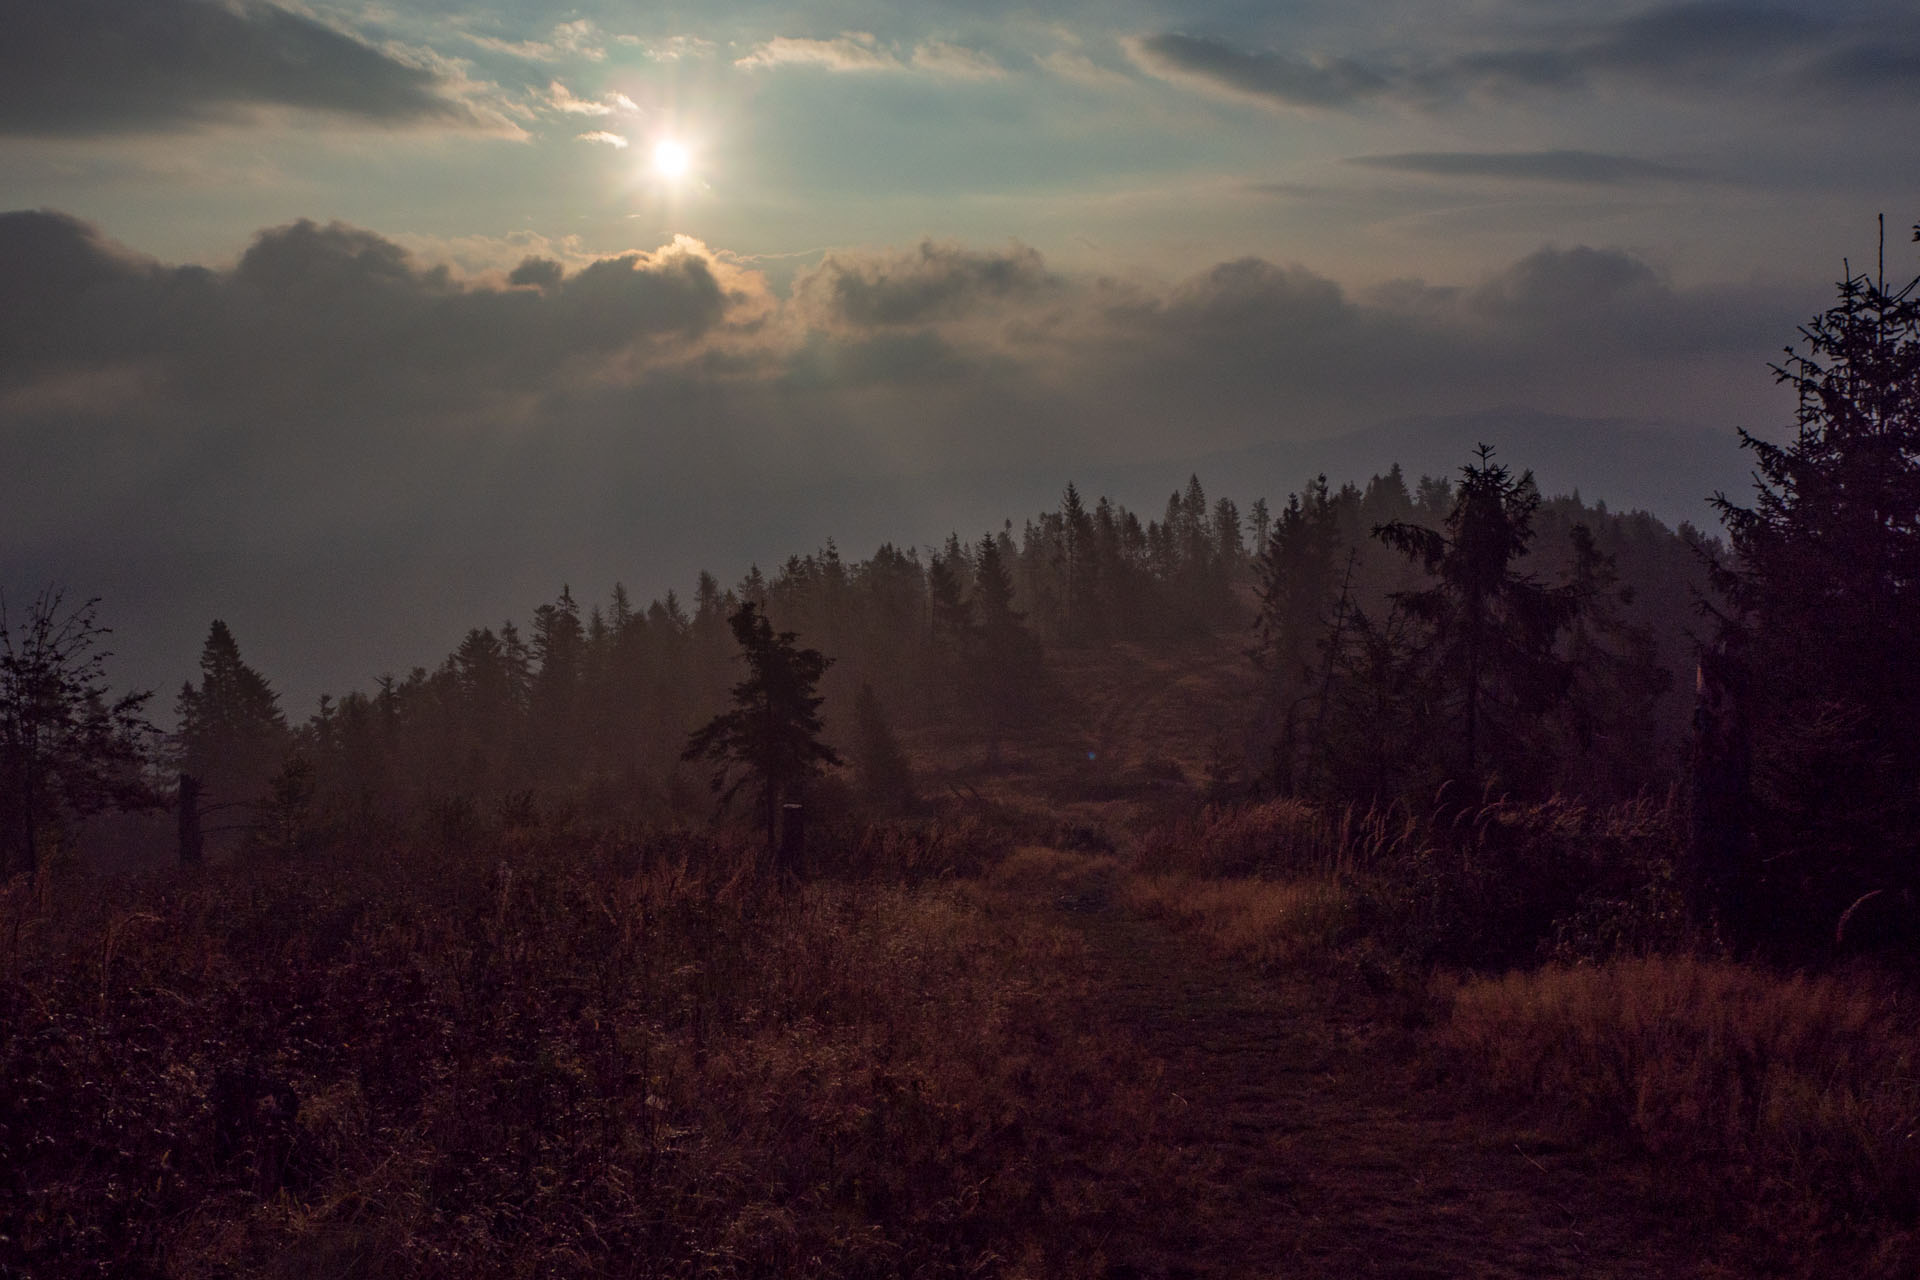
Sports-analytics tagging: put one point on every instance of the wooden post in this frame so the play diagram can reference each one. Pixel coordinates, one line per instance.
(190, 844)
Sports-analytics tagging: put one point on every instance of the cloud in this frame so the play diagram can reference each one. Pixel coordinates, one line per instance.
(560, 98)
(671, 48)
(580, 39)
(850, 51)
(614, 140)
(1070, 64)
(90, 67)
(862, 51)
(956, 61)
(541, 273)
(933, 282)
(335, 315)
(1693, 48)
(1533, 166)
(317, 319)
(1584, 291)
(1262, 75)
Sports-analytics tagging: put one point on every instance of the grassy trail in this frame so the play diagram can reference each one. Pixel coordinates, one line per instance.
(1331, 1148)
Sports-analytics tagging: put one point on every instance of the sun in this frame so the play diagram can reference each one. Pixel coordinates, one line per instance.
(671, 159)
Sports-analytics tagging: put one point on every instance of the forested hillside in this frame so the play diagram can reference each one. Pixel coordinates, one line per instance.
(591, 702)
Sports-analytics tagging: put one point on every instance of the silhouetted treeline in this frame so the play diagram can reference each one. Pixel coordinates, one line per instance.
(592, 704)
(596, 702)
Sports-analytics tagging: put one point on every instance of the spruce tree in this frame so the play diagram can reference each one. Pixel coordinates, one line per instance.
(1824, 588)
(232, 734)
(1004, 663)
(1490, 628)
(1299, 584)
(771, 738)
(1077, 534)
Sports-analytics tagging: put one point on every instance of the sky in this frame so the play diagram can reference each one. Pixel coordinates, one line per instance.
(359, 324)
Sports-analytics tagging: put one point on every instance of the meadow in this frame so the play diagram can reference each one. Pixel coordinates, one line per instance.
(542, 1048)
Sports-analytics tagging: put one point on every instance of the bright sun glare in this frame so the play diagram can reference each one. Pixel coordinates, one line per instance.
(670, 159)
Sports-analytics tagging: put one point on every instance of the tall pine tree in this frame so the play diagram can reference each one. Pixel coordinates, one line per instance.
(232, 735)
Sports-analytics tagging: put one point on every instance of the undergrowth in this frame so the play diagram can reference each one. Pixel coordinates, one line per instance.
(1489, 885)
(1549, 945)
(549, 1055)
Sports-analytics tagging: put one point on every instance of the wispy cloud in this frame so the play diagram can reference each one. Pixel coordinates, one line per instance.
(862, 51)
(670, 48)
(849, 51)
(580, 39)
(1680, 48)
(613, 140)
(1070, 64)
(1535, 166)
(957, 61)
(1268, 76)
(562, 99)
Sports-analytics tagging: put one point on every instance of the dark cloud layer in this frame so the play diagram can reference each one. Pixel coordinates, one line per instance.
(80, 67)
(340, 329)
(1529, 166)
(332, 314)
(1684, 48)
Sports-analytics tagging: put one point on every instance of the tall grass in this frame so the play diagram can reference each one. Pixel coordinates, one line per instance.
(1264, 923)
(1280, 839)
(1487, 885)
(1791, 1085)
(560, 1055)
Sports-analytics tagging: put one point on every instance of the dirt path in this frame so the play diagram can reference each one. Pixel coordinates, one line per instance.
(1333, 1151)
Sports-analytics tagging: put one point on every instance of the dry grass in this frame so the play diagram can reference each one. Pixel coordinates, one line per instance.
(1285, 838)
(1042, 870)
(560, 1056)
(1800, 1091)
(1266, 923)
(1486, 885)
